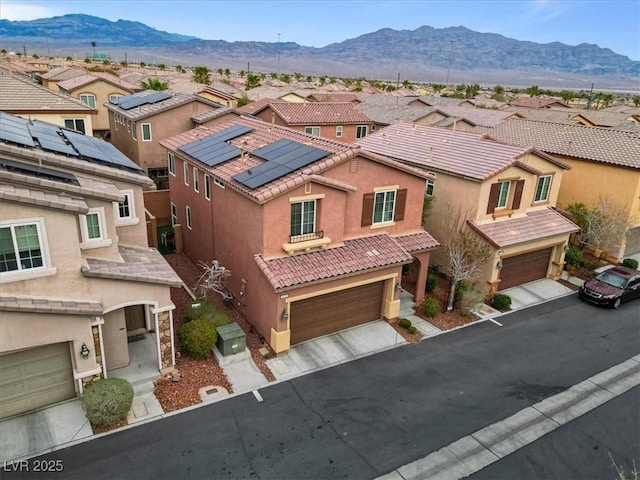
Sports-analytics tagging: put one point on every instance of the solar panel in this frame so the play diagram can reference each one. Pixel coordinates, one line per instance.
(131, 101)
(213, 150)
(262, 174)
(14, 129)
(97, 149)
(38, 171)
(49, 137)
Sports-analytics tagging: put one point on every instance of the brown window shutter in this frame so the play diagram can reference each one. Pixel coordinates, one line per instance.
(367, 209)
(517, 196)
(401, 200)
(493, 197)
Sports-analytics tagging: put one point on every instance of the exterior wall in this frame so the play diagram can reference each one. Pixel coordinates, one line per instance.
(158, 203)
(101, 90)
(224, 101)
(59, 118)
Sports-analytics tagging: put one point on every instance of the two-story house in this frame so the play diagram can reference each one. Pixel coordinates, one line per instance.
(507, 194)
(341, 121)
(95, 89)
(139, 121)
(315, 232)
(77, 278)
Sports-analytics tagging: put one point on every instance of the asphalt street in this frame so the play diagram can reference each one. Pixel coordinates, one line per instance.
(368, 417)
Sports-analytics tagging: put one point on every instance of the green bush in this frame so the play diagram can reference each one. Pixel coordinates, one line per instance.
(412, 329)
(461, 289)
(501, 301)
(220, 318)
(631, 263)
(199, 309)
(431, 307)
(432, 282)
(590, 265)
(573, 255)
(404, 323)
(197, 338)
(470, 301)
(107, 401)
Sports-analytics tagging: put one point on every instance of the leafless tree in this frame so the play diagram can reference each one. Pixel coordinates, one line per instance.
(213, 280)
(602, 227)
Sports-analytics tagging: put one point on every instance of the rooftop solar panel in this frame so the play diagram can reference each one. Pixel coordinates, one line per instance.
(49, 137)
(131, 101)
(97, 149)
(213, 150)
(14, 129)
(38, 171)
(262, 174)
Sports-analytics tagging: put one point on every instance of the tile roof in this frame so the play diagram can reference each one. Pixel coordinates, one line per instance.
(564, 116)
(50, 305)
(388, 112)
(147, 110)
(601, 118)
(537, 102)
(139, 264)
(536, 225)
(253, 107)
(417, 242)
(319, 113)
(477, 116)
(19, 96)
(334, 97)
(211, 114)
(58, 201)
(82, 80)
(470, 155)
(598, 144)
(63, 73)
(356, 256)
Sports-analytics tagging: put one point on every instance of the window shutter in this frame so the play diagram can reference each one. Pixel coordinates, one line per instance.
(367, 209)
(493, 197)
(401, 200)
(517, 196)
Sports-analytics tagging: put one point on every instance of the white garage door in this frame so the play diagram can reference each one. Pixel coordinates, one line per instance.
(34, 378)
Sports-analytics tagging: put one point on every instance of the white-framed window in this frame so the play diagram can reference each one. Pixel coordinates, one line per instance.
(115, 98)
(75, 124)
(361, 131)
(134, 131)
(93, 229)
(218, 182)
(312, 131)
(174, 215)
(146, 132)
(303, 218)
(196, 179)
(188, 212)
(171, 161)
(339, 130)
(23, 250)
(383, 206)
(430, 188)
(129, 126)
(503, 195)
(125, 212)
(88, 99)
(207, 187)
(185, 172)
(543, 188)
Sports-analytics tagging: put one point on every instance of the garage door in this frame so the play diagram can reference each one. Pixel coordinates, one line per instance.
(336, 311)
(524, 268)
(632, 241)
(34, 378)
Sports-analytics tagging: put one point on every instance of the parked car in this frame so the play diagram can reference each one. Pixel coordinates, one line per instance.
(612, 287)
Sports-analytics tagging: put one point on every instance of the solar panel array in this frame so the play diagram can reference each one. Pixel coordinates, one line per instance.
(15, 130)
(38, 171)
(213, 149)
(97, 149)
(282, 157)
(131, 101)
(50, 138)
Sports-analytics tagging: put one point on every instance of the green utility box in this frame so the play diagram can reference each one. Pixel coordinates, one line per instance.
(231, 339)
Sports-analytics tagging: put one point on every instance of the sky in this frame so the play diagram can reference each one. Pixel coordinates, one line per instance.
(613, 24)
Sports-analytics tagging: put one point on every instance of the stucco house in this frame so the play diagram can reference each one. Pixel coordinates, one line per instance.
(95, 89)
(605, 163)
(506, 193)
(77, 278)
(222, 94)
(314, 231)
(139, 121)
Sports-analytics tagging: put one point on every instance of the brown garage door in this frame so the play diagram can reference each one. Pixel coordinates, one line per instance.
(336, 311)
(34, 378)
(524, 268)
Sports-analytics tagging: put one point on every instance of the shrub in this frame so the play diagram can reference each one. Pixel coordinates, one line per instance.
(431, 307)
(432, 282)
(404, 323)
(573, 255)
(199, 309)
(461, 289)
(631, 263)
(501, 301)
(219, 318)
(412, 329)
(470, 300)
(197, 338)
(590, 265)
(107, 401)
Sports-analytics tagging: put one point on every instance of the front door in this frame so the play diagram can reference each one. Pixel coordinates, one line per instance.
(116, 348)
(134, 318)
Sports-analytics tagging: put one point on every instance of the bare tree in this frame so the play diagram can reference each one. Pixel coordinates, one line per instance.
(467, 252)
(213, 280)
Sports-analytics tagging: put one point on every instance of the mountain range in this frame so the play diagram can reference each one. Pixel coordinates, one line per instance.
(426, 54)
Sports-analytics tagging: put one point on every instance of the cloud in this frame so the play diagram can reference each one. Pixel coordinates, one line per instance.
(544, 10)
(25, 11)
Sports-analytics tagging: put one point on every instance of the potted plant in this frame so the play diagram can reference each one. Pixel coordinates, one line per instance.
(572, 258)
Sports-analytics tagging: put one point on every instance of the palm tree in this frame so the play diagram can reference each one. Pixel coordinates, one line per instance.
(94, 45)
(533, 91)
(201, 75)
(154, 84)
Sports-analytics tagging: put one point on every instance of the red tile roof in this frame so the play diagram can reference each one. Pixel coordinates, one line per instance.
(254, 107)
(355, 257)
(537, 102)
(535, 225)
(83, 80)
(319, 113)
(417, 242)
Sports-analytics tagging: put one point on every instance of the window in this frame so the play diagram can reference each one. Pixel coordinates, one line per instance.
(20, 248)
(207, 187)
(146, 132)
(134, 131)
(174, 215)
(303, 218)
(75, 124)
(219, 183)
(115, 98)
(93, 230)
(361, 131)
(312, 131)
(339, 131)
(188, 210)
(160, 176)
(196, 180)
(500, 195)
(88, 99)
(171, 160)
(185, 172)
(503, 195)
(431, 186)
(542, 189)
(125, 210)
(383, 207)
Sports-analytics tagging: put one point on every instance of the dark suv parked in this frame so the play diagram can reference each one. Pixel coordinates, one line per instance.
(612, 287)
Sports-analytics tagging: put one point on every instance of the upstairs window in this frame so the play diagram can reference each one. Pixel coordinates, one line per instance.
(303, 218)
(20, 247)
(361, 131)
(383, 207)
(500, 197)
(430, 187)
(171, 160)
(88, 99)
(207, 187)
(185, 172)
(339, 130)
(93, 230)
(196, 180)
(542, 188)
(75, 124)
(146, 132)
(312, 131)
(503, 195)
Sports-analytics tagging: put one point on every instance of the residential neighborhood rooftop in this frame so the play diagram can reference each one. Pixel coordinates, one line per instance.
(160, 103)
(19, 96)
(86, 79)
(318, 113)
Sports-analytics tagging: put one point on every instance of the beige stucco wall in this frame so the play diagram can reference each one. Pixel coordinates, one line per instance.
(101, 90)
(59, 118)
